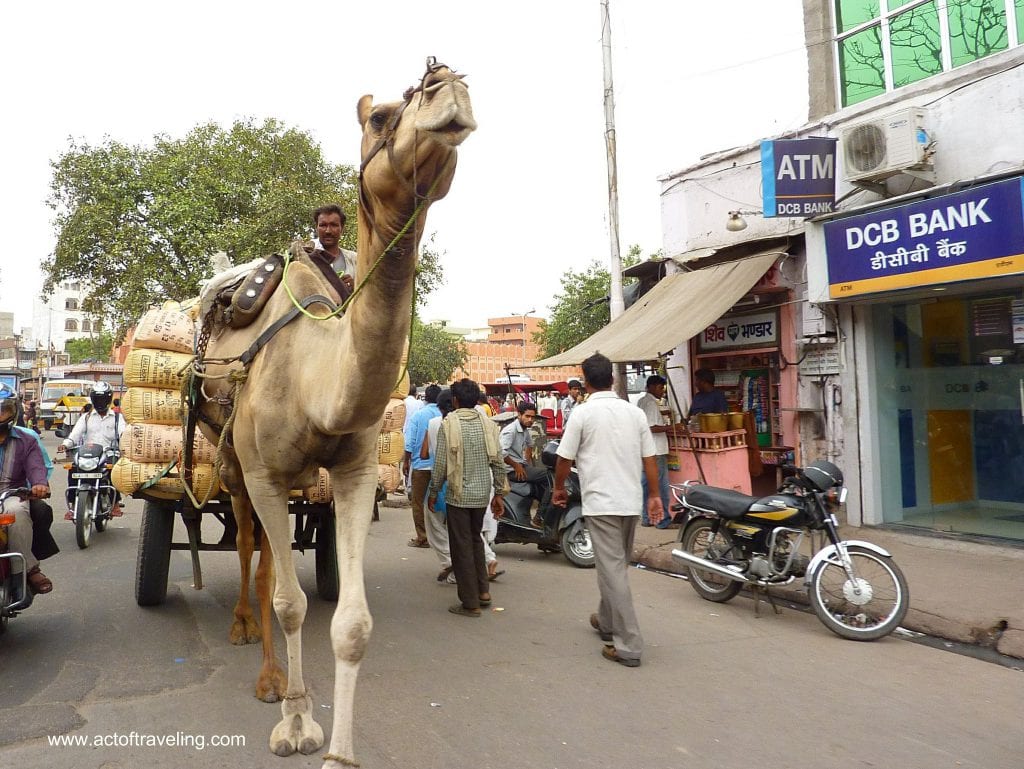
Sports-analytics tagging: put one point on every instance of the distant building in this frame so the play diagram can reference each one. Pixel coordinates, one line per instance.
(506, 340)
(60, 317)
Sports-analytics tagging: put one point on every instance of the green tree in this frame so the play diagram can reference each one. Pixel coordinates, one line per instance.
(582, 309)
(95, 348)
(138, 224)
(435, 354)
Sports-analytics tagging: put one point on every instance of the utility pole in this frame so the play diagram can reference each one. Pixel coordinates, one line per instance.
(616, 303)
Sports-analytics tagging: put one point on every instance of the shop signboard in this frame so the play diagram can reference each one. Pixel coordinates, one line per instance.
(798, 177)
(977, 233)
(741, 331)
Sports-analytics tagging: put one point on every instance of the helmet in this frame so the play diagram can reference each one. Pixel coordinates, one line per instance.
(823, 475)
(101, 396)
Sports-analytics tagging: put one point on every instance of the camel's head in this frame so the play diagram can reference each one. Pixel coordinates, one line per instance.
(413, 142)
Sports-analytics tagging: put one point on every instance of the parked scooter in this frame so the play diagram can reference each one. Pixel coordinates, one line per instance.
(15, 596)
(564, 529)
(733, 539)
(90, 494)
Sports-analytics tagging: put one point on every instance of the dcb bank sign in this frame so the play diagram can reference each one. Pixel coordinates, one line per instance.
(798, 177)
(976, 233)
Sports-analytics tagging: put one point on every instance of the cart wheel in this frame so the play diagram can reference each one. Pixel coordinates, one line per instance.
(326, 555)
(154, 555)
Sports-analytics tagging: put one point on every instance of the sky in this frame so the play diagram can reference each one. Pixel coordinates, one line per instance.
(530, 197)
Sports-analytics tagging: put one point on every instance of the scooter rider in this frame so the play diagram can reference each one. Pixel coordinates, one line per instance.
(517, 451)
(102, 425)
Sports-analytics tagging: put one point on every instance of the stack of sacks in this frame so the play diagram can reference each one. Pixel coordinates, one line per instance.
(390, 449)
(152, 407)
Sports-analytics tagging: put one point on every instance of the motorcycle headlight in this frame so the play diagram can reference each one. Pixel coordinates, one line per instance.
(88, 464)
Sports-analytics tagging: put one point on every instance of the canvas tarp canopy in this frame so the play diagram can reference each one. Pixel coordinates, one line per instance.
(679, 307)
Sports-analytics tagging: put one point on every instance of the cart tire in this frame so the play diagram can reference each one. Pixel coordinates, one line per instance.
(327, 582)
(154, 555)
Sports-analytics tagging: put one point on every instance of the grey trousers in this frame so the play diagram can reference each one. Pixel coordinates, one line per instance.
(612, 537)
(20, 534)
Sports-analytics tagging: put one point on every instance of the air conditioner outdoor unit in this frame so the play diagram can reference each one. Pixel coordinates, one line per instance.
(885, 146)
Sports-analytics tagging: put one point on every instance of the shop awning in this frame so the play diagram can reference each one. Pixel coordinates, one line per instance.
(679, 307)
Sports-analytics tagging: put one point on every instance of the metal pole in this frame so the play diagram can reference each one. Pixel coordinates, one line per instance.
(616, 303)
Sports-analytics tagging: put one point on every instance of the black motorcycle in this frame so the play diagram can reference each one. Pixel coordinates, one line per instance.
(14, 593)
(90, 494)
(732, 539)
(564, 529)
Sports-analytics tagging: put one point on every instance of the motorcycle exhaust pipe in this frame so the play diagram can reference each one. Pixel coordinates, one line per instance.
(693, 560)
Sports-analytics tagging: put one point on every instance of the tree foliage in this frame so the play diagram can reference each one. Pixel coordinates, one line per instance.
(582, 308)
(138, 224)
(434, 354)
(96, 348)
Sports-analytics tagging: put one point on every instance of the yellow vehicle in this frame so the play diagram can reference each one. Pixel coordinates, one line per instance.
(61, 402)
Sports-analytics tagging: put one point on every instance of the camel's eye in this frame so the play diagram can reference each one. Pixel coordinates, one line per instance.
(378, 120)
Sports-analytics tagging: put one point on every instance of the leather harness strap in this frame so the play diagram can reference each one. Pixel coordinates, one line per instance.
(247, 357)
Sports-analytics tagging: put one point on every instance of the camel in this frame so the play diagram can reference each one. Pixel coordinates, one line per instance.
(315, 395)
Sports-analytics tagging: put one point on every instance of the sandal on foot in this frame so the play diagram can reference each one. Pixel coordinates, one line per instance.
(38, 582)
(492, 577)
(485, 601)
(458, 608)
(596, 624)
(418, 543)
(443, 575)
(610, 653)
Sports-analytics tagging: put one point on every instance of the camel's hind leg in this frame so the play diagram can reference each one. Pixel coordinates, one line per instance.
(297, 730)
(352, 624)
(270, 683)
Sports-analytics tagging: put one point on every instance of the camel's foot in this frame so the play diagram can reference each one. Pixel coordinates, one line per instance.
(271, 685)
(245, 630)
(297, 731)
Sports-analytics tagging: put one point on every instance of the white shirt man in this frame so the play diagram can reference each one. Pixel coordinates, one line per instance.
(609, 439)
(104, 429)
(650, 404)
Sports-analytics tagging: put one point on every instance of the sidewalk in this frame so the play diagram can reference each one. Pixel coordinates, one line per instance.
(962, 591)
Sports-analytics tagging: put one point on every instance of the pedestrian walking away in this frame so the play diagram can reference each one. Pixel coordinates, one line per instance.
(608, 438)
(469, 459)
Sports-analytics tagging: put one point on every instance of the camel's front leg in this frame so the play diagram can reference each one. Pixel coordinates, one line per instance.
(352, 624)
(297, 730)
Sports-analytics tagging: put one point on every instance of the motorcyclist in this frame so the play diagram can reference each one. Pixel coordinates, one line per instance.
(22, 465)
(102, 425)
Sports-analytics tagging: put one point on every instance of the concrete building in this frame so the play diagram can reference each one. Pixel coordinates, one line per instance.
(60, 317)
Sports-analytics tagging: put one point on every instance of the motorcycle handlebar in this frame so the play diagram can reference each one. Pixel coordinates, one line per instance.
(20, 491)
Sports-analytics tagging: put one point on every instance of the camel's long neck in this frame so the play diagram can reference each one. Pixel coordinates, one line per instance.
(381, 315)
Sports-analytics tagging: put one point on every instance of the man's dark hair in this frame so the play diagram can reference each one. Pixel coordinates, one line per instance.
(575, 383)
(444, 402)
(331, 208)
(656, 379)
(525, 406)
(413, 389)
(704, 375)
(597, 370)
(431, 393)
(467, 392)
(482, 400)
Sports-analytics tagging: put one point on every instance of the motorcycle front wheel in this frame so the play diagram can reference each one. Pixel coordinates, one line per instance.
(698, 538)
(864, 609)
(577, 547)
(83, 518)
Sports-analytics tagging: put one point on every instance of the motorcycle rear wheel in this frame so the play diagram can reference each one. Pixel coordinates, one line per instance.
(876, 612)
(698, 538)
(577, 546)
(83, 518)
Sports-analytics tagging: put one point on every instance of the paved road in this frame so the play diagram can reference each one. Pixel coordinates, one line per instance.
(523, 687)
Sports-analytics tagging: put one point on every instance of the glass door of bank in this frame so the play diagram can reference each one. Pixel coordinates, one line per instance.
(949, 384)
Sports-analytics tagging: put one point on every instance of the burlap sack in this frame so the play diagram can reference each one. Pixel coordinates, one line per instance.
(165, 328)
(322, 491)
(390, 447)
(388, 477)
(128, 476)
(162, 443)
(146, 367)
(394, 416)
(151, 405)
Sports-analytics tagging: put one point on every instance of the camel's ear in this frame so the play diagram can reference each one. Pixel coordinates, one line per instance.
(364, 109)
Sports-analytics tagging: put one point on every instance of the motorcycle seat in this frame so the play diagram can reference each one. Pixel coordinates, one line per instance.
(726, 502)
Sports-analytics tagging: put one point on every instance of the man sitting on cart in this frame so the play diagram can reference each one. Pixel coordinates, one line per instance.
(517, 451)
